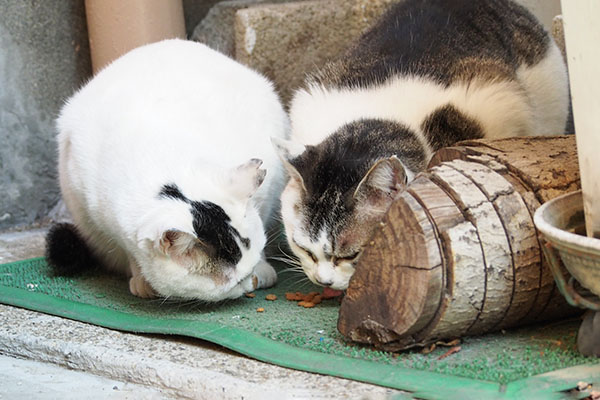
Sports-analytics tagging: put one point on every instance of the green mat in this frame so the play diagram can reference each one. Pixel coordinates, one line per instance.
(534, 362)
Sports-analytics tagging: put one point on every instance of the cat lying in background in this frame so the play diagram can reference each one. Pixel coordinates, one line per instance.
(159, 165)
(428, 74)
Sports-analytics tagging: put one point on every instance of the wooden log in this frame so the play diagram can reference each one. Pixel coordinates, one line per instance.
(457, 253)
(546, 165)
(421, 281)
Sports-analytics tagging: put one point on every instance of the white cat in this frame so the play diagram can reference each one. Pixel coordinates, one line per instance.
(159, 158)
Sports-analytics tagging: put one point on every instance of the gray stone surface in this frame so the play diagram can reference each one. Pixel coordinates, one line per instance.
(216, 30)
(194, 11)
(176, 366)
(22, 244)
(44, 57)
(284, 41)
(34, 380)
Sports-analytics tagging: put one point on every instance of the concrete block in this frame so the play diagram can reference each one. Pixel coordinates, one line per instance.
(44, 57)
(284, 41)
(194, 12)
(216, 29)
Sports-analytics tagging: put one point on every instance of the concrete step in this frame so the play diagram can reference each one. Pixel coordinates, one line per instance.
(36, 380)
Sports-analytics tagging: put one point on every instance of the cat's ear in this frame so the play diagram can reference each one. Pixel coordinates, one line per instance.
(287, 151)
(174, 243)
(183, 248)
(245, 179)
(380, 185)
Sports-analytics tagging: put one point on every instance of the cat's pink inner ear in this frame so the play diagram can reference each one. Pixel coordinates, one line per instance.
(168, 240)
(245, 179)
(382, 182)
(178, 246)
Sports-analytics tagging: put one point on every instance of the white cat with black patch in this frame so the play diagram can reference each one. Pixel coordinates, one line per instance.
(428, 74)
(160, 160)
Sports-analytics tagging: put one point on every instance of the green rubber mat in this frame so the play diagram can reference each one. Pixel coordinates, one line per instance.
(533, 362)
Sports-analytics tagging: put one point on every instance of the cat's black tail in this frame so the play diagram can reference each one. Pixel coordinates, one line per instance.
(66, 251)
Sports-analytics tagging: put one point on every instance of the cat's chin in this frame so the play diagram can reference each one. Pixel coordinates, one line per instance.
(339, 287)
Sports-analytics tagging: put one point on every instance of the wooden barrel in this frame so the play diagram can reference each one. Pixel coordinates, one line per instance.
(457, 253)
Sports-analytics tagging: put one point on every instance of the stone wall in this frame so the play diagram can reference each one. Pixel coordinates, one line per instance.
(44, 56)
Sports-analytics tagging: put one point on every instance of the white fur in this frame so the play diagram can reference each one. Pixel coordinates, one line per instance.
(534, 104)
(170, 112)
(547, 89)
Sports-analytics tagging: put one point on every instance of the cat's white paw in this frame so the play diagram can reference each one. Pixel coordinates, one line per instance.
(138, 286)
(265, 275)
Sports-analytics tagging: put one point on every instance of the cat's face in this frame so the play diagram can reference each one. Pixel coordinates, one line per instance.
(329, 213)
(327, 256)
(206, 249)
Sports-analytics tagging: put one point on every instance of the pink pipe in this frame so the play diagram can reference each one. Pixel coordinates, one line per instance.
(117, 26)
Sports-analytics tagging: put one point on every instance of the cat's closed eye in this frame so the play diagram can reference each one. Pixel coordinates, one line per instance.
(308, 252)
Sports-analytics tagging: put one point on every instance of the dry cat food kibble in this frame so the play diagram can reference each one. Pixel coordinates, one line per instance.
(260, 309)
(293, 296)
(250, 295)
(271, 297)
(311, 299)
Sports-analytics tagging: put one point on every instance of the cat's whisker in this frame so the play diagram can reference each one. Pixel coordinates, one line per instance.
(291, 279)
(305, 283)
(285, 253)
(287, 261)
(292, 268)
(295, 271)
(273, 234)
(165, 300)
(276, 217)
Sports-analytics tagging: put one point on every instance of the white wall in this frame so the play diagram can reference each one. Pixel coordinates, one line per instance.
(582, 37)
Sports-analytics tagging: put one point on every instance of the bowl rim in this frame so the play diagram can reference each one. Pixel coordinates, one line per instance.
(559, 236)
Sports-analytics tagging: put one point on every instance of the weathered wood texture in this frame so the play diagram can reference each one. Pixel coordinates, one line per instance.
(457, 253)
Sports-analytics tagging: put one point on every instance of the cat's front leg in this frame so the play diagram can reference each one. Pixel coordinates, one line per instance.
(138, 285)
(263, 276)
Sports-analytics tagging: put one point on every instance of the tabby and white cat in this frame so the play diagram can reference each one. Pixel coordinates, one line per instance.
(159, 165)
(428, 74)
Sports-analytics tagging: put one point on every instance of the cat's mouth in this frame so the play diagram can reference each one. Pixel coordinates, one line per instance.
(336, 287)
